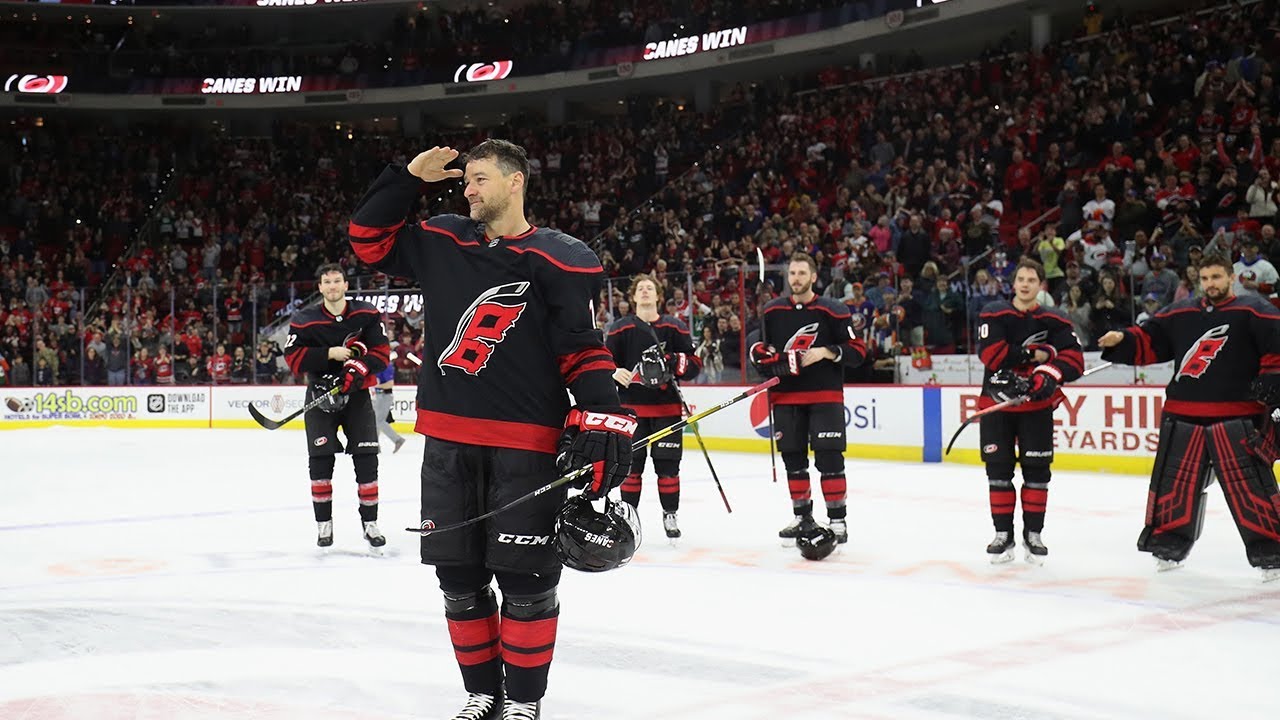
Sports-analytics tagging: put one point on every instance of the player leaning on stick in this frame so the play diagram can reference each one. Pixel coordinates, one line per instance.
(812, 341)
(1028, 352)
(339, 343)
(652, 352)
(508, 327)
(1226, 381)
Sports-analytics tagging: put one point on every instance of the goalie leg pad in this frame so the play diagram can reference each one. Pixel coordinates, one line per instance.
(1175, 499)
(1250, 488)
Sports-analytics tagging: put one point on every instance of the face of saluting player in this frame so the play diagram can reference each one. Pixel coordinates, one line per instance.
(646, 293)
(489, 191)
(333, 287)
(1215, 281)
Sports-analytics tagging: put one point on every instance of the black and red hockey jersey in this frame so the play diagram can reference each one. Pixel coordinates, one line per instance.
(793, 326)
(313, 330)
(507, 322)
(630, 336)
(1217, 350)
(1008, 338)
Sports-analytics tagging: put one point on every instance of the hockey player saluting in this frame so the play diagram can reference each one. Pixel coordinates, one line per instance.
(1212, 418)
(340, 343)
(652, 351)
(508, 326)
(1028, 352)
(811, 341)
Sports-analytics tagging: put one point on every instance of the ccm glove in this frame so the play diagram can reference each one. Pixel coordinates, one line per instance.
(354, 373)
(1266, 390)
(678, 363)
(600, 441)
(1044, 382)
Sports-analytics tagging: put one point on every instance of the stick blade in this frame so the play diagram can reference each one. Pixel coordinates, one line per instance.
(261, 419)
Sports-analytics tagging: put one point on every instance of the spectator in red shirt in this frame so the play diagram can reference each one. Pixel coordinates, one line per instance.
(1020, 181)
(142, 368)
(234, 307)
(219, 365)
(163, 367)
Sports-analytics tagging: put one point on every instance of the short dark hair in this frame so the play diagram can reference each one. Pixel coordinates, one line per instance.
(806, 258)
(1027, 262)
(327, 268)
(509, 156)
(1213, 259)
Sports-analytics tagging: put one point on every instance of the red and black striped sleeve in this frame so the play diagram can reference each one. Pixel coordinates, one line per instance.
(377, 230)
(1145, 344)
(1266, 332)
(1068, 356)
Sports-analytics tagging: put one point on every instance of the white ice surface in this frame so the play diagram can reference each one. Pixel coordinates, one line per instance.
(172, 575)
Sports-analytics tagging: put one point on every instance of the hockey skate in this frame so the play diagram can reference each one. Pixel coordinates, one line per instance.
(1034, 547)
(481, 707)
(512, 710)
(1001, 548)
(374, 536)
(669, 524)
(792, 531)
(841, 530)
(324, 533)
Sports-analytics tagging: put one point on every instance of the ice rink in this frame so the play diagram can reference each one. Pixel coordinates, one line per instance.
(173, 575)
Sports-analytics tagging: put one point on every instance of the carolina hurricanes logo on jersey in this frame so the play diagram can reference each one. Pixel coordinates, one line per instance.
(482, 327)
(1202, 352)
(1038, 338)
(803, 339)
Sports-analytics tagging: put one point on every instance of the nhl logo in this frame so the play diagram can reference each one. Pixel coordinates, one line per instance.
(155, 403)
(428, 525)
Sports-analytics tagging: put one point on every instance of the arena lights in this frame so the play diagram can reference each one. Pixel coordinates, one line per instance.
(691, 44)
(36, 84)
(482, 72)
(250, 85)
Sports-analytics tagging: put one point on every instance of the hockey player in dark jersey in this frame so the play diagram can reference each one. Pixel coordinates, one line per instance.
(340, 343)
(1220, 345)
(1028, 351)
(811, 341)
(652, 351)
(508, 327)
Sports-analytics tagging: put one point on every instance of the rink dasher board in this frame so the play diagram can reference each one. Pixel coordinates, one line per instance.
(1097, 428)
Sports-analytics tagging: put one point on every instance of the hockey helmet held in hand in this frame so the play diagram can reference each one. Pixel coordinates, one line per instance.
(593, 541)
(816, 541)
(332, 403)
(1006, 385)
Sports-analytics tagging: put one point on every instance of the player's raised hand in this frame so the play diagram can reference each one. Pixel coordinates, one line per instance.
(429, 165)
(1112, 338)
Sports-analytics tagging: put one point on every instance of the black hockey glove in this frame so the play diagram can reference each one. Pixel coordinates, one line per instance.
(354, 373)
(1044, 382)
(1266, 390)
(654, 371)
(601, 441)
(772, 363)
(1005, 385)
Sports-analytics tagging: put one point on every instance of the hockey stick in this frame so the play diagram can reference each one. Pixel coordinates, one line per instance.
(1012, 402)
(698, 435)
(270, 424)
(575, 474)
(773, 458)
